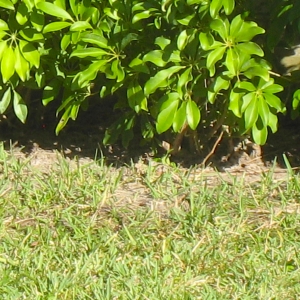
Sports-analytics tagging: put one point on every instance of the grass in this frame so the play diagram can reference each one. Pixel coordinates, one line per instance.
(149, 232)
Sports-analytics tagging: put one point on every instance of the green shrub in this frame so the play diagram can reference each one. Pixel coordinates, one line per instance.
(184, 67)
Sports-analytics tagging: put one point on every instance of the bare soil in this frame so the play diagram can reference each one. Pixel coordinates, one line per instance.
(82, 140)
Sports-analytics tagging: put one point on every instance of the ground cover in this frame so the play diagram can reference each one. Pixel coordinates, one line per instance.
(84, 229)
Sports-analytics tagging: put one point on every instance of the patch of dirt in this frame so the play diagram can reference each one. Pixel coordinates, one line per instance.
(80, 142)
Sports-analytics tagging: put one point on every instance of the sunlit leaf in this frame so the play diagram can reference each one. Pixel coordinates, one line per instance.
(259, 134)
(93, 52)
(56, 26)
(7, 4)
(95, 39)
(215, 7)
(180, 117)
(20, 107)
(22, 14)
(274, 101)
(251, 114)
(80, 26)
(192, 114)
(30, 53)
(165, 117)
(3, 25)
(136, 97)
(5, 101)
(8, 64)
(214, 56)
(21, 65)
(263, 110)
(228, 6)
(54, 10)
(250, 48)
(182, 40)
(159, 79)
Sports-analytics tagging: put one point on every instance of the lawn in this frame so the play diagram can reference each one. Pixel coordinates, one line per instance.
(92, 231)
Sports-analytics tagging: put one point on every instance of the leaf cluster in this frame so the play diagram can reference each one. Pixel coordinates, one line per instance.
(179, 65)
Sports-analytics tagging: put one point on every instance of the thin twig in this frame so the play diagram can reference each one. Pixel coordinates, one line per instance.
(212, 151)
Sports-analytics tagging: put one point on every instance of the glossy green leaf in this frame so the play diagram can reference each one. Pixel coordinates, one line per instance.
(182, 40)
(95, 39)
(31, 35)
(263, 110)
(273, 89)
(136, 97)
(228, 6)
(21, 65)
(273, 122)
(257, 71)
(157, 22)
(65, 41)
(118, 70)
(22, 13)
(7, 4)
(215, 7)
(222, 27)
(235, 103)
(92, 52)
(247, 31)
(165, 117)
(250, 48)
(74, 6)
(63, 120)
(206, 40)
(29, 3)
(141, 16)
(30, 53)
(263, 85)
(232, 61)
(251, 114)
(95, 19)
(160, 79)
(259, 135)
(8, 64)
(220, 83)
(236, 25)
(246, 86)
(214, 56)
(156, 57)
(54, 10)
(56, 26)
(296, 100)
(162, 42)
(166, 100)
(3, 47)
(274, 102)
(90, 73)
(183, 81)
(247, 99)
(192, 114)
(80, 26)
(74, 110)
(5, 101)
(20, 107)
(180, 117)
(3, 25)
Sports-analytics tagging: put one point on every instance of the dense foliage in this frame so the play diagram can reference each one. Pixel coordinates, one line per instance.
(195, 67)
